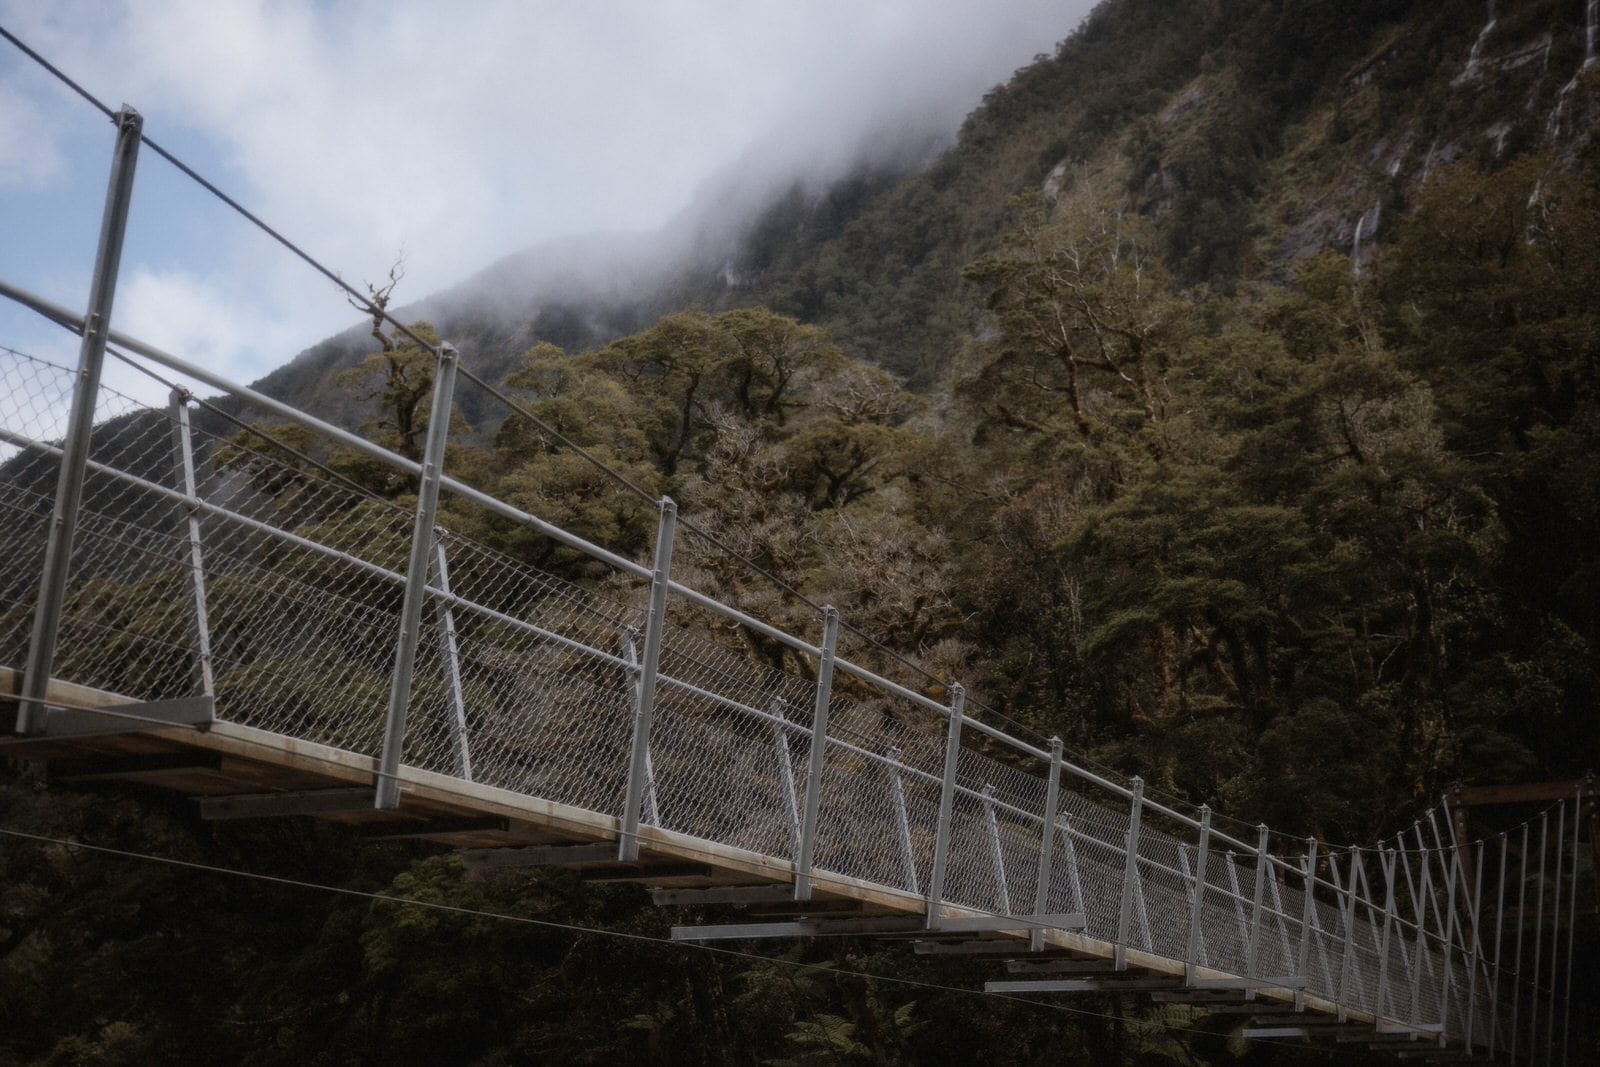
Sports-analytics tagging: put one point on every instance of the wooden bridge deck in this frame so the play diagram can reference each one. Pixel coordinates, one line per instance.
(235, 771)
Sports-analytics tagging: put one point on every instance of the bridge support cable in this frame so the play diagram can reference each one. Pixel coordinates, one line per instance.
(189, 525)
(80, 424)
(1047, 838)
(387, 785)
(450, 656)
(947, 797)
(645, 687)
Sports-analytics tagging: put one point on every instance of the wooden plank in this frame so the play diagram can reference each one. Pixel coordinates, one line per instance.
(149, 767)
(261, 761)
(486, 859)
(277, 805)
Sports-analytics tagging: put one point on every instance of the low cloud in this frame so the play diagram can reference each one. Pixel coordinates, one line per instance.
(463, 134)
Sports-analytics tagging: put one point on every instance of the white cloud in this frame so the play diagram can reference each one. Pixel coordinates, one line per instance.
(31, 156)
(466, 132)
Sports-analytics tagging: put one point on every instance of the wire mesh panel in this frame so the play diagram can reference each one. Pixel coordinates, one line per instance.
(34, 399)
(532, 683)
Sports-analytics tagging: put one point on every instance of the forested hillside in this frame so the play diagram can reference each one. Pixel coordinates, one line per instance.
(1224, 402)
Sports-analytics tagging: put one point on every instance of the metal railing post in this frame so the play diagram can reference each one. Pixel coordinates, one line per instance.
(1130, 874)
(1474, 956)
(1047, 840)
(1308, 915)
(1572, 919)
(1522, 921)
(1449, 927)
(1386, 863)
(902, 821)
(996, 853)
(387, 785)
(450, 653)
(1420, 888)
(1197, 898)
(1499, 946)
(818, 755)
(80, 425)
(1555, 933)
(640, 778)
(1538, 941)
(189, 521)
(1348, 964)
(780, 740)
(1254, 951)
(1278, 918)
(947, 799)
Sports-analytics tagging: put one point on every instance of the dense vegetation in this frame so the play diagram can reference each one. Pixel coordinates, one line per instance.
(1302, 536)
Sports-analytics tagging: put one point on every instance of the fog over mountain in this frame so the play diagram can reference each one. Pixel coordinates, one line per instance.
(370, 131)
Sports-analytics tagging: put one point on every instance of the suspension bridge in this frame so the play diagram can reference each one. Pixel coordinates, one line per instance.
(188, 602)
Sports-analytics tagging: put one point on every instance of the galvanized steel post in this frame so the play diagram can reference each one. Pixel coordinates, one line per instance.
(1555, 932)
(1449, 929)
(1130, 874)
(1499, 945)
(80, 424)
(1538, 940)
(1197, 898)
(818, 756)
(1572, 919)
(1522, 920)
(1308, 914)
(1347, 911)
(1386, 863)
(1047, 839)
(387, 786)
(1254, 950)
(947, 799)
(1475, 954)
(639, 777)
(189, 521)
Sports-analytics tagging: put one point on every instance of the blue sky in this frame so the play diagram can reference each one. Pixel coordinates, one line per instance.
(452, 134)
